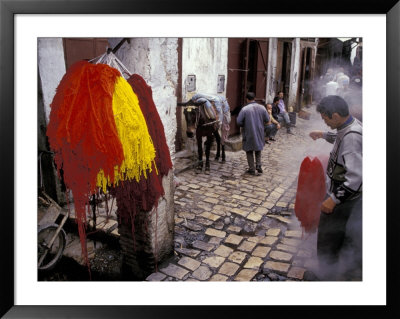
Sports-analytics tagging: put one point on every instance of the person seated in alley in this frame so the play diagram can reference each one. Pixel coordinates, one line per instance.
(283, 115)
(252, 119)
(275, 108)
(272, 127)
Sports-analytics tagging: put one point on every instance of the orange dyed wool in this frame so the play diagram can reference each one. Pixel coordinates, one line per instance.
(82, 132)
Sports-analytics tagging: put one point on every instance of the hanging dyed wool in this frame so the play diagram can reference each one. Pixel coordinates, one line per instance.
(310, 193)
(98, 134)
(133, 133)
(144, 195)
(154, 124)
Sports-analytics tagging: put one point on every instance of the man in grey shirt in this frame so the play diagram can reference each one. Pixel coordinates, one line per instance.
(252, 118)
(339, 243)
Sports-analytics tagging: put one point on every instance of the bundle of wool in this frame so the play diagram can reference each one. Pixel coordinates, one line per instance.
(144, 194)
(310, 194)
(98, 134)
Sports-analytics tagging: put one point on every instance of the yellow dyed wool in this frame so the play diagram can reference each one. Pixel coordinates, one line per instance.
(137, 145)
(102, 181)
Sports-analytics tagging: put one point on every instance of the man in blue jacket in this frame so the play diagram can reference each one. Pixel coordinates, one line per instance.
(252, 118)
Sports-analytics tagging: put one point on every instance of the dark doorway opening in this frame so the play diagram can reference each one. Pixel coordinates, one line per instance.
(306, 76)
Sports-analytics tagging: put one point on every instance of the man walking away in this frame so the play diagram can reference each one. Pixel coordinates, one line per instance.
(252, 118)
(339, 242)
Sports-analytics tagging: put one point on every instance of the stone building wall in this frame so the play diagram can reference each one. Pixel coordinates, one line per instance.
(156, 60)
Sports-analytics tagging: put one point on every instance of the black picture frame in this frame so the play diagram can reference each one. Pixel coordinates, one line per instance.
(8, 10)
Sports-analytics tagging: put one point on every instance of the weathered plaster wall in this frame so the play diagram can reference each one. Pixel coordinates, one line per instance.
(272, 65)
(294, 73)
(156, 60)
(206, 58)
(51, 68)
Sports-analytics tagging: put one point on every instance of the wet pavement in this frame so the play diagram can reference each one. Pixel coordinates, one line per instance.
(229, 225)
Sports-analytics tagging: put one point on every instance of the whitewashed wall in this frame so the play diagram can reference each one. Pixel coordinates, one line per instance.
(294, 73)
(51, 68)
(272, 65)
(206, 58)
(156, 60)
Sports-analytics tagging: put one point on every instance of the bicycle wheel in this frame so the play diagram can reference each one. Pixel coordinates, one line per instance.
(54, 253)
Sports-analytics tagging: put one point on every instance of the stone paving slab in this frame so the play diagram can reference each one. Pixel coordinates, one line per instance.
(254, 217)
(233, 229)
(202, 273)
(247, 246)
(203, 246)
(296, 272)
(246, 275)
(253, 263)
(214, 261)
(269, 240)
(192, 226)
(273, 232)
(219, 277)
(223, 251)
(281, 256)
(277, 266)
(156, 276)
(261, 251)
(240, 212)
(210, 216)
(233, 239)
(189, 263)
(215, 233)
(229, 269)
(174, 271)
(237, 257)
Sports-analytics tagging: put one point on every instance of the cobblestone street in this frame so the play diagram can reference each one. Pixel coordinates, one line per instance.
(231, 226)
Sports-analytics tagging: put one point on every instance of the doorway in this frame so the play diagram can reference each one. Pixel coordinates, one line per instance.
(247, 71)
(305, 88)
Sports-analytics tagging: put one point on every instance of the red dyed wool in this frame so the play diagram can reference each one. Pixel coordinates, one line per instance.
(83, 134)
(310, 194)
(154, 124)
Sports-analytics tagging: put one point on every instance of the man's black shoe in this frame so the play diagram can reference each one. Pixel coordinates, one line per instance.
(259, 169)
(251, 172)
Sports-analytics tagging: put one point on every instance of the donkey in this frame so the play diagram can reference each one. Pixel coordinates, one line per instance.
(202, 120)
